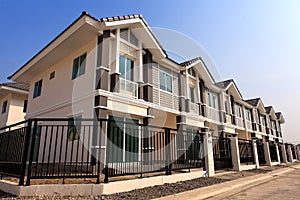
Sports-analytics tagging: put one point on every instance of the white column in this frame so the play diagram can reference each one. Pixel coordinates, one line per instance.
(235, 153)
(117, 67)
(208, 152)
(140, 70)
(267, 153)
(278, 154)
(255, 154)
(283, 150)
(290, 155)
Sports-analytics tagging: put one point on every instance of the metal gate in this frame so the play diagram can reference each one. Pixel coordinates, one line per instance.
(261, 153)
(222, 153)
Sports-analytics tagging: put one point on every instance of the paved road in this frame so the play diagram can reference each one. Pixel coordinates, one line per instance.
(286, 186)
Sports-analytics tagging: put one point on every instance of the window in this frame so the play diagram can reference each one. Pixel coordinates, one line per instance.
(165, 81)
(79, 66)
(37, 88)
(52, 75)
(126, 68)
(192, 94)
(192, 72)
(212, 100)
(263, 121)
(238, 111)
(25, 106)
(127, 35)
(273, 125)
(74, 128)
(248, 115)
(4, 107)
(123, 131)
(226, 107)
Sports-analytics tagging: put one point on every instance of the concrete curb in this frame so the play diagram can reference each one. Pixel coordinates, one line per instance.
(238, 184)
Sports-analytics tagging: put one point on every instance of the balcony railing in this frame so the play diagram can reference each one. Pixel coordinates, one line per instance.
(239, 122)
(194, 108)
(212, 113)
(248, 125)
(129, 88)
(228, 119)
(263, 129)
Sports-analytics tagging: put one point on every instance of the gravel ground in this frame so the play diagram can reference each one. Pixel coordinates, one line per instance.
(162, 190)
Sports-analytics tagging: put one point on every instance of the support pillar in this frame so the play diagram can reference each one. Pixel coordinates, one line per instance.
(235, 153)
(267, 153)
(278, 154)
(208, 152)
(255, 154)
(298, 153)
(289, 152)
(284, 157)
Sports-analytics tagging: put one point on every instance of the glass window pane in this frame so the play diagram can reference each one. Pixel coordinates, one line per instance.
(162, 80)
(169, 83)
(82, 64)
(122, 66)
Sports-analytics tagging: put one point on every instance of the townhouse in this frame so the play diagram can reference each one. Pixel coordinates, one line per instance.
(13, 101)
(105, 98)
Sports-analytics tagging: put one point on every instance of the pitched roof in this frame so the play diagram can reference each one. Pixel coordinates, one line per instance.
(19, 86)
(119, 18)
(189, 62)
(253, 102)
(268, 109)
(224, 84)
(278, 114)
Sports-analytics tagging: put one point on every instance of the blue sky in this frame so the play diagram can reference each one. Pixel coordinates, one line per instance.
(255, 42)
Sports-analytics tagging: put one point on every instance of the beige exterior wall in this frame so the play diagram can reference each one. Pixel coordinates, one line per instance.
(57, 94)
(4, 116)
(14, 111)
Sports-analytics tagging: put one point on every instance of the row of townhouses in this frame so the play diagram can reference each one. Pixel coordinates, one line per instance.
(103, 99)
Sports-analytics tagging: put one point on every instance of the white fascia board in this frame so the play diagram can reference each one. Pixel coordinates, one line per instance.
(134, 21)
(14, 90)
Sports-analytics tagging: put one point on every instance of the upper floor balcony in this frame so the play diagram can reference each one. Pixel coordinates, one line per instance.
(128, 88)
(212, 113)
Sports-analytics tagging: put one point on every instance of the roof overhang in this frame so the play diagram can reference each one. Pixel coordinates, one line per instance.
(260, 106)
(142, 31)
(203, 73)
(4, 91)
(234, 91)
(83, 30)
(272, 114)
(281, 119)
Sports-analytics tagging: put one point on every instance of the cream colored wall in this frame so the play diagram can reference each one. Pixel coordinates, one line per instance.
(4, 116)
(58, 93)
(15, 111)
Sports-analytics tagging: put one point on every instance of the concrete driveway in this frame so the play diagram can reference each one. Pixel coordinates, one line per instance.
(285, 186)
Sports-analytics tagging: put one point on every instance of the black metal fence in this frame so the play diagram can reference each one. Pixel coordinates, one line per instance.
(280, 153)
(12, 143)
(273, 152)
(246, 151)
(87, 148)
(289, 159)
(134, 148)
(261, 152)
(222, 153)
(294, 152)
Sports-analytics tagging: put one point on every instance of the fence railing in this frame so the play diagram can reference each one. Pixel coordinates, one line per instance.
(222, 153)
(138, 149)
(77, 148)
(261, 153)
(273, 152)
(246, 151)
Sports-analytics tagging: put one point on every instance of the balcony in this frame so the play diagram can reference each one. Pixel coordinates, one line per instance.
(212, 113)
(249, 125)
(128, 88)
(263, 129)
(194, 108)
(228, 119)
(239, 122)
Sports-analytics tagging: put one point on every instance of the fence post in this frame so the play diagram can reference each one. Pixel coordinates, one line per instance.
(255, 154)
(107, 149)
(31, 151)
(283, 153)
(97, 132)
(235, 153)
(25, 152)
(289, 152)
(267, 153)
(208, 152)
(168, 151)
